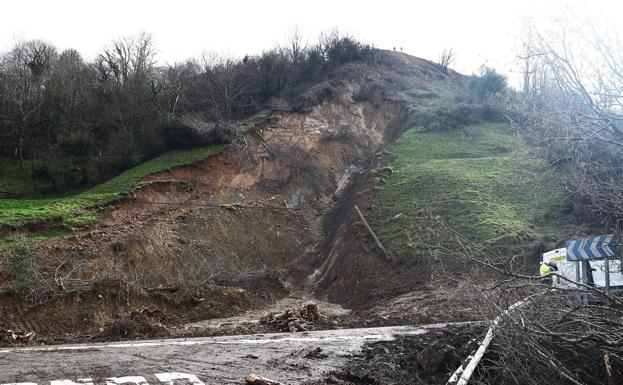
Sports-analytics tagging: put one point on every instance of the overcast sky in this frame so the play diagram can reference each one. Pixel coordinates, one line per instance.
(480, 31)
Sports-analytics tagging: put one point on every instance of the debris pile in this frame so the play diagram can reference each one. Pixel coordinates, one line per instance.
(10, 336)
(294, 320)
(141, 323)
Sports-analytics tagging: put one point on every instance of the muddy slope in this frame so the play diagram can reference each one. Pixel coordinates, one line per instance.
(272, 215)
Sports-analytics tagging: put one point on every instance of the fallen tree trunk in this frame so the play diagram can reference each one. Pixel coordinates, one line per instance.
(376, 239)
(462, 375)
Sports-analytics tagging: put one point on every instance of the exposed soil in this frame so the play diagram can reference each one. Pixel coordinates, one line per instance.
(248, 227)
(78, 316)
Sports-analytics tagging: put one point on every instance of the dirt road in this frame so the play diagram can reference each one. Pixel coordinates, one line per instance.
(289, 358)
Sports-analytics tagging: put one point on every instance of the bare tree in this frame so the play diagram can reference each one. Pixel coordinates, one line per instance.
(573, 111)
(295, 47)
(446, 58)
(221, 89)
(127, 75)
(175, 83)
(27, 67)
(129, 59)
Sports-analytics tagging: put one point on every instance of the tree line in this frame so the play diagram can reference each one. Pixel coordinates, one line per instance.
(72, 122)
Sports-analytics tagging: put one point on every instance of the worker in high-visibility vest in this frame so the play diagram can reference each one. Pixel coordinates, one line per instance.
(545, 270)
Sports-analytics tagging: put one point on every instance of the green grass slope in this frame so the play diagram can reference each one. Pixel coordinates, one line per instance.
(474, 181)
(69, 211)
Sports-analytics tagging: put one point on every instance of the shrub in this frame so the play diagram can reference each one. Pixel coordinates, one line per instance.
(340, 50)
(456, 116)
(368, 92)
(21, 264)
(177, 135)
(43, 175)
(488, 83)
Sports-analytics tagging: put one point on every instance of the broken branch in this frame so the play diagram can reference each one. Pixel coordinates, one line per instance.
(253, 379)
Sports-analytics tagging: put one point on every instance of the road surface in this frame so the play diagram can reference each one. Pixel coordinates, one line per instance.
(196, 361)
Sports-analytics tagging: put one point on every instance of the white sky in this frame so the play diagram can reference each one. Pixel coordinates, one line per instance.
(480, 31)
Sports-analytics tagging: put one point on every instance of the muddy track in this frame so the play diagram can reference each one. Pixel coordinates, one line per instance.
(350, 355)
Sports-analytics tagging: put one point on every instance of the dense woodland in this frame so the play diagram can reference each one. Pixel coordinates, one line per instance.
(72, 122)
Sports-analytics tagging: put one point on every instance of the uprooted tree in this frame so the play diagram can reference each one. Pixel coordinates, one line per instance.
(571, 334)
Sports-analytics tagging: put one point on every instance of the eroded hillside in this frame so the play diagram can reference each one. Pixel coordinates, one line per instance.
(271, 216)
(226, 234)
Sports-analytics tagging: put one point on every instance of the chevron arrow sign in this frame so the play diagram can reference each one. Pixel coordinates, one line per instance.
(593, 248)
